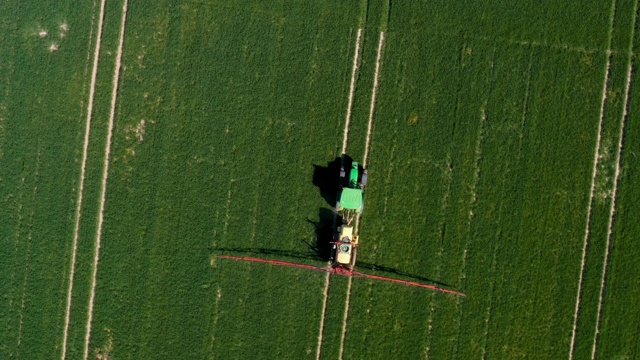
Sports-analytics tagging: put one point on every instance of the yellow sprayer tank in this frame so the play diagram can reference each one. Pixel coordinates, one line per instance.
(345, 246)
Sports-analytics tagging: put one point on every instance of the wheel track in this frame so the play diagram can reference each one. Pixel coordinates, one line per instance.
(585, 242)
(92, 88)
(105, 175)
(352, 88)
(615, 182)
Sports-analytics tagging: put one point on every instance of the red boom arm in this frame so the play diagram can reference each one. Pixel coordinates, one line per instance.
(341, 271)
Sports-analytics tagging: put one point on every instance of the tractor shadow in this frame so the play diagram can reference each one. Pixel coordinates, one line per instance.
(264, 251)
(324, 229)
(327, 178)
(319, 247)
(388, 270)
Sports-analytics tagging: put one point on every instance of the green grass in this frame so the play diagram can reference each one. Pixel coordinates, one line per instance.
(43, 111)
(577, 24)
(480, 171)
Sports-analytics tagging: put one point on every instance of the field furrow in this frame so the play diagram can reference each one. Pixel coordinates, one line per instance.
(616, 178)
(593, 185)
(83, 165)
(105, 176)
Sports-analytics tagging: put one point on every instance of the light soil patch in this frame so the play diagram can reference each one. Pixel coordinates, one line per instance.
(352, 88)
(64, 28)
(138, 131)
(104, 353)
(92, 88)
(594, 171)
(105, 174)
(614, 192)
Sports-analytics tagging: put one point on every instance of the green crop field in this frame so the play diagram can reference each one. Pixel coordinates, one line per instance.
(141, 140)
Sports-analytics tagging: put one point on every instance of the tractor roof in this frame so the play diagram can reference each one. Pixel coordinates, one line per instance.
(351, 198)
(353, 175)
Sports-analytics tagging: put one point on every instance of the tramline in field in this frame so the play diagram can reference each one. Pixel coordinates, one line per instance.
(349, 206)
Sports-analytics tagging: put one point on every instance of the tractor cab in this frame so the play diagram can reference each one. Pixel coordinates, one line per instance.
(351, 197)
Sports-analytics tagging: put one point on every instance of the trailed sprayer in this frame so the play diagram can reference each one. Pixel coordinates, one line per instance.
(349, 205)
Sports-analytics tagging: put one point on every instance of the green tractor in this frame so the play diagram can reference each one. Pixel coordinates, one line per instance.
(350, 197)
